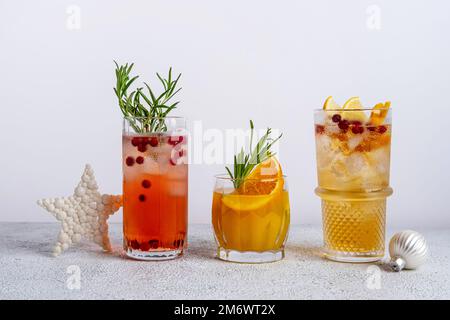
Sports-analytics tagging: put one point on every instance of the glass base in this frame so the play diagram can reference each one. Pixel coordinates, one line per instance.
(353, 257)
(250, 256)
(159, 255)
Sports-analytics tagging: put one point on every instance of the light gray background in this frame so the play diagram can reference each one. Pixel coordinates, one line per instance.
(272, 61)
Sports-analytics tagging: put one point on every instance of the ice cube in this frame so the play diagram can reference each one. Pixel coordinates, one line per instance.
(158, 159)
(178, 172)
(338, 166)
(320, 118)
(332, 129)
(354, 141)
(150, 166)
(379, 158)
(325, 151)
(355, 162)
(131, 172)
(323, 143)
(164, 164)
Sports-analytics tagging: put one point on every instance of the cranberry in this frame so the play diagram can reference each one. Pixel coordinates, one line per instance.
(153, 141)
(140, 160)
(356, 122)
(144, 140)
(154, 243)
(172, 162)
(371, 128)
(145, 246)
(357, 129)
(343, 125)
(135, 141)
(146, 184)
(180, 153)
(382, 129)
(175, 140)
(142, 148)
(129, 161)
(336, 118)
(320, 129)
(134, 244)
(142, 197)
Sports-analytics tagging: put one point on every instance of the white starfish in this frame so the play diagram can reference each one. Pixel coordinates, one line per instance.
(84, 214)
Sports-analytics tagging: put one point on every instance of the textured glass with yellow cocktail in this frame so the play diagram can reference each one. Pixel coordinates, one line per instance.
(353, 147)
(250, 209)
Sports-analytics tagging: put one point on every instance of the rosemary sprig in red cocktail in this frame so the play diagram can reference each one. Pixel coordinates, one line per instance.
(146, 111)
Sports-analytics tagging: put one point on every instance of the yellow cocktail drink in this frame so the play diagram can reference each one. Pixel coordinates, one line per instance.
(250, 222)
(353, 158)
(250, 206)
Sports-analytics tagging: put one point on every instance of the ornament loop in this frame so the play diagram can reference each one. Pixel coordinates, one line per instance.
(397, 264)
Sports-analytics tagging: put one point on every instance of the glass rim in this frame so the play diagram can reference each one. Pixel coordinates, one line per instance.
(156, 118)
(352, 110)
(226, 177)
(364, 125)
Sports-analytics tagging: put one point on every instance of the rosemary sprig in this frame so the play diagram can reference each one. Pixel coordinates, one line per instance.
(145, 112)
(244, 162)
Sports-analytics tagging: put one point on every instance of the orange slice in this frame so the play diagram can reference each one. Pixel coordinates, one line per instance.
(379, 113)
(330, 104)
(263, 184)
(354, 104)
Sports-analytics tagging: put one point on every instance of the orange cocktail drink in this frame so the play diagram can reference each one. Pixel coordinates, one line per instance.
(250, 206)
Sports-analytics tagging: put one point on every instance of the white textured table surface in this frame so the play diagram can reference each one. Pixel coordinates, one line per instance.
(28, 271)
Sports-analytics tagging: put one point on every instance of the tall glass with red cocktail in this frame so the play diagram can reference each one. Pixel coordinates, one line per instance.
(155, 169)
(155, 188)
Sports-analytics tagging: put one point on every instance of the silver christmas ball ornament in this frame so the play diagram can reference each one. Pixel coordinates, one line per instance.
(408, 250)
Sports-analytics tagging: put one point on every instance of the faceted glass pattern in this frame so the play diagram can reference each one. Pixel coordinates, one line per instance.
(354, 228)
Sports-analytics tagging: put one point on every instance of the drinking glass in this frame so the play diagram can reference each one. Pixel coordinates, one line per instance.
(353, 160)
(155, 187)
(250, 228)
